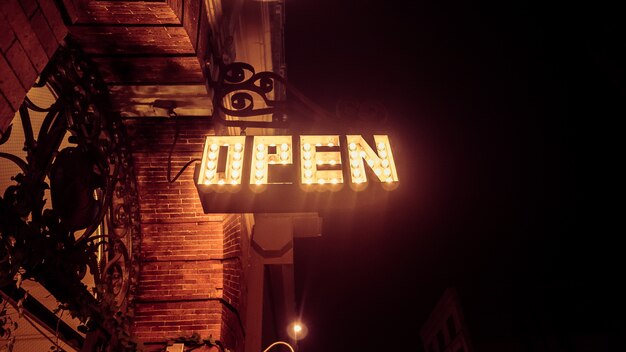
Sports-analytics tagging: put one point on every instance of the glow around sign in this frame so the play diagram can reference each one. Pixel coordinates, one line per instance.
(227, 162)
(294, 173)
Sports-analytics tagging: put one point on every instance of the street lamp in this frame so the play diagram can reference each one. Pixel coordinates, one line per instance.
(297, 331)
(297, 328)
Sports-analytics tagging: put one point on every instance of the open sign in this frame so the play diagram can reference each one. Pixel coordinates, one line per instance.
(292, 172)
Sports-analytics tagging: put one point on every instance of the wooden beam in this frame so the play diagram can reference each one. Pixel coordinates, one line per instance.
(106, 40)
(134, 101)
(150, 70)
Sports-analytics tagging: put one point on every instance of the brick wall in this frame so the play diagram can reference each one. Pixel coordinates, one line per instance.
(235, 254)
(30, 33)
(191, 262)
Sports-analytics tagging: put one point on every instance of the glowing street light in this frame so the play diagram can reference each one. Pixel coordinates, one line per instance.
(297, 330)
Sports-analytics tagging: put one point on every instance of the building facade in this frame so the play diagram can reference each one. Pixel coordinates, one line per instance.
(445, 330)
(104, 104)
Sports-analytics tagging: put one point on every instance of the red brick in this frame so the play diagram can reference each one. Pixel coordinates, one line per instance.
(10, 85)
(183, 249)
(150, 70)
(18, 59)
(29, 7)
(191, 20)
(135, 40)
(75, 8)
(44, 33)
(6, 113)
(158, 321)
(177, 7)
(24, 32)
(109, 12)
(7, 37)
(53, 16)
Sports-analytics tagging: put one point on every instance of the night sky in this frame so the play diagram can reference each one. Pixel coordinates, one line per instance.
(505, 120)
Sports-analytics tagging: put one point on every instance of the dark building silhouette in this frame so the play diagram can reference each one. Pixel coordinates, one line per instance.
(497, 318)
(445, 329)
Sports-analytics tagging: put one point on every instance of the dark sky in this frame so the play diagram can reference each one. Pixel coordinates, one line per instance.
(505, 115)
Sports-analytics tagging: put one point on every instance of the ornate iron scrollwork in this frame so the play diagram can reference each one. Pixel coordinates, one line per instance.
(239, 84)
(242, 92)
(93, 223)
